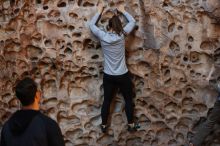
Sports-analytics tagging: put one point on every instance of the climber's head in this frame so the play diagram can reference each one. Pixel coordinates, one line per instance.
(115, 25)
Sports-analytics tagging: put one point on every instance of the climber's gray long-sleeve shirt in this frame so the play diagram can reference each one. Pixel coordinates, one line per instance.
(113, 46)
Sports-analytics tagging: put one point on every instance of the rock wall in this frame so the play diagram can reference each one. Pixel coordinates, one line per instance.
(170, 55)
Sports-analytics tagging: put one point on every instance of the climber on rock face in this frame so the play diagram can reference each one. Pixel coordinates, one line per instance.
(116, 73)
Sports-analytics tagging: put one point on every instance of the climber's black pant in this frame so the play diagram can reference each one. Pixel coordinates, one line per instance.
(111, 83)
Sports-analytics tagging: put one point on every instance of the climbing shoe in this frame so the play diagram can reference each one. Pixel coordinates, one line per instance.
(133, 127)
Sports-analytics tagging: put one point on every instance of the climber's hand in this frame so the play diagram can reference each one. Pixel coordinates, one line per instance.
(100, 7)
(121, 8)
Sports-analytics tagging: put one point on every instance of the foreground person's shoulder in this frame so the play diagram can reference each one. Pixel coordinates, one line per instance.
(47, 119)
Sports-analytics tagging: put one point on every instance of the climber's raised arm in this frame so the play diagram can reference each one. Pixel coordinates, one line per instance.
(92, 25)
(131, 21)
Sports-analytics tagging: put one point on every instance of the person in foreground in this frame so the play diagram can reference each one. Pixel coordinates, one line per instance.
(212, 119)
(28, 126)
(115, 70)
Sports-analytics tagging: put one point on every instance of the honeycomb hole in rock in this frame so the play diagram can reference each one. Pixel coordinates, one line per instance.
(88, 126)
(178, 94)
(71, 28)
(143, 120)
(167, 73)
(189, 47)
(77, 34)
(159, 96)
(25, 74)
(194, 57)
(61, 4)
(200, 107)
(79, 2)
(181, 127)
(37, 37)
(186, 120)
(34, 52)
(134, 141)
(171, 107)
(140, 84)
(95, 120)
(91, 69)
(60, 43)
(95, 56)
(63, 104)
(155, 112)
(2, 42)
(190, 92)
(207, 45)
(68, 120)
(66, 36)
(49, 88)
(12, 46)
(68, 51)
(88, 44)
(190, 39)
(73, 15)
(54, 13)
(85, 19)
(59, 21)
(180, 137)
(189, 111)
(38, 1)
(31, 16)
(48, 43)
(88, 4)
(192, 72)
(45, 7)
(167, 82)
(74, 134)
(118, 120)
(154, 142)
(187, 102)
(22, 64)
(172, 120)
(174, 46)
(105, 140)
(13, 103)
(93, 110)
(69, 45)
(164, 135)
(180, 28)
(51, 101)
(16, 11)
(171, 27)
(185, 58)
(165, 4)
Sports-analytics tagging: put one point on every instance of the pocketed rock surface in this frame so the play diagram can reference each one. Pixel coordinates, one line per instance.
(170, 54)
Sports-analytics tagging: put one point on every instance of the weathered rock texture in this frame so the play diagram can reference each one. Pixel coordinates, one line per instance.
(169, 54)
